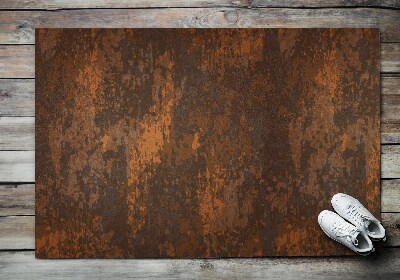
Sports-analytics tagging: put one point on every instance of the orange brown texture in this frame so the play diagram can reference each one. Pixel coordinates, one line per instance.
(155, 143)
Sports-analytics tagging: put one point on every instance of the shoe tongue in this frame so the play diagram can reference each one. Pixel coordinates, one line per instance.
(366, 224)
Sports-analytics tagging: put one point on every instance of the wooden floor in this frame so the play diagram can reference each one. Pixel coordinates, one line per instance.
(18, 18)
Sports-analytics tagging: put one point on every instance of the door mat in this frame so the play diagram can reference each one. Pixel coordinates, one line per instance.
(198, 143)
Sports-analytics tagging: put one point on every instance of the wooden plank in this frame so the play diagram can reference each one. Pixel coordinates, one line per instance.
(382, 265)
(391, 222)
(20, 199)
(76, 4)
(390, 108)
(17, 27)
(390, 195)
(390, 58)
(17, 97)
(17, 166)
(325, 3)
(17, 133)
(104, 4)
(17, 232)
(17, 61)
(390, 133)
(17, 200)
(390, 84)
(390, 161)
(90, 4)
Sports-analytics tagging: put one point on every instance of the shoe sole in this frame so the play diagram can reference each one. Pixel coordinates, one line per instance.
(377, 239)
(361, 254)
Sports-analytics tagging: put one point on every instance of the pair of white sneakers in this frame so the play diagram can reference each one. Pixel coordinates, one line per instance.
(360, 228)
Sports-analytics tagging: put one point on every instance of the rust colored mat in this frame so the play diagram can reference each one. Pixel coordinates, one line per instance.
(156, 143)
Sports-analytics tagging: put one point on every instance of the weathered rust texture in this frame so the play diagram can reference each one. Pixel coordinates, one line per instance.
(201, 142)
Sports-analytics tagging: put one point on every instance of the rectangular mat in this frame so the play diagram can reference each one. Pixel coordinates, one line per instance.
(157, 143)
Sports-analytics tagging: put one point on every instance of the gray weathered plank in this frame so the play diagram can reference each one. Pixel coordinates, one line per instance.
(17, 27)
(17, 232)
(390, 195)
(17, 97)
(390, 133)
(390, 108)
(17, 166)
(390, 84)
(104, 4)
(17, 133)
(17, 200)
(17, 61)
(383, 265)
(390, 58)
(326, 3)
(391, 222)
(90, 4)
(390, 161)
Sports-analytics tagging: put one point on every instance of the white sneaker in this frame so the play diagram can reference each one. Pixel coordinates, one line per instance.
(345, 233)
(352, 210)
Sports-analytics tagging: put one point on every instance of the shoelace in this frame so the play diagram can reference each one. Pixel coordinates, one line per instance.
(359, 216)
(346, 231)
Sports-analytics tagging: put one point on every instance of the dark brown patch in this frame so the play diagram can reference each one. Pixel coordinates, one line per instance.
(201, 142)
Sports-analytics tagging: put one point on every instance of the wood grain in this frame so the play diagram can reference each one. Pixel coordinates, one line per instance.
(18, 27)
(17, 200)
(20, 199)
(390, 133)
(17, 232)
(390, 195)
(22, 265)
(17, 166)
(390, 58)
(18, 60)
(390, 154)
(22, 231)
(391, 222)
(325, 3)
(382, 265)
(17, 97)
(104, 4)
(17, 133)
(90, 4)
